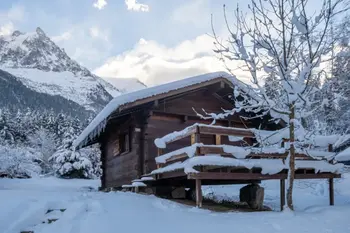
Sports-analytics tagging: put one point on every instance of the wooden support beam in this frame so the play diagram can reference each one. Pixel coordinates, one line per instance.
(173, 174)
(256, 176)
(160, 152)
(330, 147)
(282, 193)
(173, 116)
(217, 139)
(195, 138)
(226, 131)
(199, 193)
(331, 191)
(176, 158)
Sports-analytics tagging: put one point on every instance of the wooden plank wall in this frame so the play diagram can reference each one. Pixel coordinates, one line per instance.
(202, 99)
(158, 126)
(123, 168)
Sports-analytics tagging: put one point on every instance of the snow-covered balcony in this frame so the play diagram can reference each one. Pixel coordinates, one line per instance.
(251, 162)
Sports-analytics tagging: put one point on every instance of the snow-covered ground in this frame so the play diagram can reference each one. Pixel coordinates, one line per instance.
(24, 205)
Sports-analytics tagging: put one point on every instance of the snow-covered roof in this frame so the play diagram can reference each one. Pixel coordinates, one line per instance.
(99, 123)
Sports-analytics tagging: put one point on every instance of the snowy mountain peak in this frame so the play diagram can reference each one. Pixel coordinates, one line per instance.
(35, 60)
(40, 31)
(36, 50)
(17, 33)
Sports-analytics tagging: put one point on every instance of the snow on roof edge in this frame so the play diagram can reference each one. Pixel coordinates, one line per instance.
(99, 122)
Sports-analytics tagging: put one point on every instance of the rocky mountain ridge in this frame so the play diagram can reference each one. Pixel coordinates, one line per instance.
(42, 66)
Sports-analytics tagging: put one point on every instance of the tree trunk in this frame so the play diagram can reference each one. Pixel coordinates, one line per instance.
(291, 156)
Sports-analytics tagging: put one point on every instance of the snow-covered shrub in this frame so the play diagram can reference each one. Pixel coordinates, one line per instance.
(72, 164)
(18, 162)
(94, 155)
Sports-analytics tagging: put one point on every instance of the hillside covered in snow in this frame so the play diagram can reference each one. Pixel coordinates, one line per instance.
(36, 61)
(46, 99)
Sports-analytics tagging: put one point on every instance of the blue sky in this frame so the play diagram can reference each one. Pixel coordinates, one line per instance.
(153, 40)
(93, 36)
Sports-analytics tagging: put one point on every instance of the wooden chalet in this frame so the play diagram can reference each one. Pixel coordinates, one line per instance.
(128, 126)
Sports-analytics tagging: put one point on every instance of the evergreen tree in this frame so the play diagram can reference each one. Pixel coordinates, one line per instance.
(41, 142)
(337, 92)
(67, 162)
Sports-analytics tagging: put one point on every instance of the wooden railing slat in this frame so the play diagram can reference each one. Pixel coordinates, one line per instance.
(256, 176)
(226, 131)
(207, 149)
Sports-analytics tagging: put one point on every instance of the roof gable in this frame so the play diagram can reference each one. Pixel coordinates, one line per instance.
(136, 98)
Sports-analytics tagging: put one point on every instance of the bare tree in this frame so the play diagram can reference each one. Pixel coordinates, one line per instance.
(281, 38)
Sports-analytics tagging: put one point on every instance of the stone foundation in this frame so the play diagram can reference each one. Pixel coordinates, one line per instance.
(253, 195)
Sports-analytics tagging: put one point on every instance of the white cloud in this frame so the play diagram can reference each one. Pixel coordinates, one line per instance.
(85, 44)
(6, 29)
(100, 4)
(196, 12)
(16, 13)
(64, 36)
(153, 63)
(8, 19)
(133, 5)
(94, 32)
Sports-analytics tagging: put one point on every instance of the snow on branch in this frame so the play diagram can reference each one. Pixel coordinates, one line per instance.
(265, 138)
(280, 40)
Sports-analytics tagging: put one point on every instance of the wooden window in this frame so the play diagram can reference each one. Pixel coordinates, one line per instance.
(122, 144)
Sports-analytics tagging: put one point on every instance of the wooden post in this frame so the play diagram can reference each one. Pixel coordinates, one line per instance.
(195, 138)
(330, 147)
(160, 152)
(198, 193)
(331, 191)
(283, 143)
(217, 139)
(282, 193)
